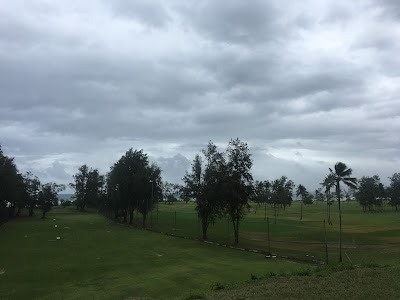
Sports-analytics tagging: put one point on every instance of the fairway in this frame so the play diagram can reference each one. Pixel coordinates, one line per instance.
(99, 259)
(367, 237)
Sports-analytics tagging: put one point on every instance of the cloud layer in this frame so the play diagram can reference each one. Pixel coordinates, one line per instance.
(305, 85)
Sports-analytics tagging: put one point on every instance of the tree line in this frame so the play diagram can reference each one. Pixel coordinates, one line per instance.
(23, 190)
(220, 183)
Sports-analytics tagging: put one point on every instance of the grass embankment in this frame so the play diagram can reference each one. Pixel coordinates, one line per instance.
(98, 259)
(357, 283)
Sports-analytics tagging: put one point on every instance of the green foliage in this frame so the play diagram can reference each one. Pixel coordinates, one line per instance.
(282, 191)
(88, 186)
(133, 184)
(48, 196)
(394, 190)
(369, 193)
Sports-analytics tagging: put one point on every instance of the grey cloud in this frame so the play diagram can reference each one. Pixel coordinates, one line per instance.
(173, 168)
(234, 21)
(167, 77)
(148, 12)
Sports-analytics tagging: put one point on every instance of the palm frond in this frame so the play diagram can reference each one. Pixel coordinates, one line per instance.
(347, 172)
(340, 168)
(350, 182)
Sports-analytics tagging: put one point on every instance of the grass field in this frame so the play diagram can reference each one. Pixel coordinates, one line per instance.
(360, 283)
(367, 237)
(99, 259)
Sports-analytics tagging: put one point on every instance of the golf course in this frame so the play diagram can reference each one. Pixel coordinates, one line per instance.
(97, 258)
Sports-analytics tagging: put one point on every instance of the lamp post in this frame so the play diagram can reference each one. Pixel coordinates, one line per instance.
(151, 213)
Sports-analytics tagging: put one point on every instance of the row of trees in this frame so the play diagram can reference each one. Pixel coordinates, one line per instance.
(223, 186)
(18, 191)
(373, 195)
(132, 184)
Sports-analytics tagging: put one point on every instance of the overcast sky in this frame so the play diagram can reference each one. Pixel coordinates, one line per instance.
(304, 83)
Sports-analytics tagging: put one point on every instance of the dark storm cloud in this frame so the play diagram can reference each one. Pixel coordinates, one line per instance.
(306, 84)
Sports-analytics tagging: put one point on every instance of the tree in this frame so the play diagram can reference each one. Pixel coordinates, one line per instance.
(301, 191)
(32, 185)
(319, 196)
(133, 184)
(193, 180)
(171, 191)
(282, 193)
(205, 185)
(8, 182)
(342, 174)
(238, 182)
(368, 192)
(48, 196)
(394, 190)
(328, 183)
(88, 185)
(262, 194)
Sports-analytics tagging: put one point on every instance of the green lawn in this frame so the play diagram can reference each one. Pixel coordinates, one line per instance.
(363, 283)
(98, 259)
(367, 237)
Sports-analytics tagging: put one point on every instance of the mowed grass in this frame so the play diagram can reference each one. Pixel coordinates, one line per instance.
(99, 259)
(367, 237)
(363, 283)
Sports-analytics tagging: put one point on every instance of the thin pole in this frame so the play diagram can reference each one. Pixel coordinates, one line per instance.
(228, 234)
(175, 223)
(326, 244)
(151, 212)
(265, 210)
(269, 240)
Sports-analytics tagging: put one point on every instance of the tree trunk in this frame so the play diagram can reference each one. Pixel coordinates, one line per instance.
(30, 211)
(130, 216)
(144, 220)
(125, 213)
(340, 220)
(44, 215)
(235, 221)
(301, 210)
(204, 227)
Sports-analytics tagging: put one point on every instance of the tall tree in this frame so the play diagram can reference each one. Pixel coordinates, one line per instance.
(88, 185)
(238, 182)
(328, 184)
(48, 195)
(394, 190)
(205, 185)
(193, 180)
(32, 184)
(342, 175)
(8, 183)
(133, 184)
(282, 193)
(301, 191)
(368, 192)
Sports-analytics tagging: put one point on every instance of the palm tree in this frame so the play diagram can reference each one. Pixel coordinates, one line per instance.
(342, 174)
(328, 183)
(301, 191)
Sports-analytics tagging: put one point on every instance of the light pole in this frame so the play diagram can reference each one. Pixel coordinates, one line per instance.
(151, 213)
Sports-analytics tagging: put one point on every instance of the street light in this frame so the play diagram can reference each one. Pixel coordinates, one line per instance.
(151, 213)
